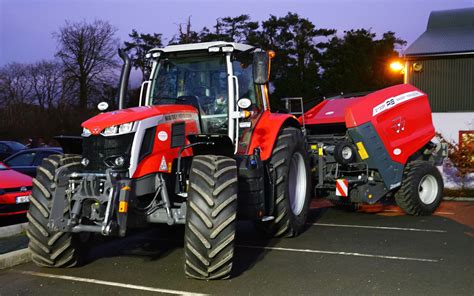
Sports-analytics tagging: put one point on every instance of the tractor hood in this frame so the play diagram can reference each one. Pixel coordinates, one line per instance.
(329, 111)
(101, 121)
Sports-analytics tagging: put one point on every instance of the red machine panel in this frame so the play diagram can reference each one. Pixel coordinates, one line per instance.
(400, 114)
(162, 156)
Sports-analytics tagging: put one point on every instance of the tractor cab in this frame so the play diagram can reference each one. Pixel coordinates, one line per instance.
(219, 79)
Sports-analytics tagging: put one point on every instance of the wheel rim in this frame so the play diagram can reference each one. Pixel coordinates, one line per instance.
(428, 189)
(297, 183)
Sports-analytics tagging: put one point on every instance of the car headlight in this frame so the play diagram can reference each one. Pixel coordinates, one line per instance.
(121, 129)
(86, 132)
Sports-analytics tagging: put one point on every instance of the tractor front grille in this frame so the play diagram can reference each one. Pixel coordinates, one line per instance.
(100, 150)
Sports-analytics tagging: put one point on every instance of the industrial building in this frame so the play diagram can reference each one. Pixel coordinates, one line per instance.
(441, 63)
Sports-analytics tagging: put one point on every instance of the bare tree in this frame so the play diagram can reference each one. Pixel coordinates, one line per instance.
(185, 34)
(15, 86)
(87, 51)
(15, 97)
(46, 80)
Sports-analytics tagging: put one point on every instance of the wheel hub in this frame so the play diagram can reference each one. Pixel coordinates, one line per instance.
(297, 183)
(428, 189)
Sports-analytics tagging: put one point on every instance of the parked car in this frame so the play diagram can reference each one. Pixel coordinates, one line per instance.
(27, 160)
(8, 148)
(15, 189)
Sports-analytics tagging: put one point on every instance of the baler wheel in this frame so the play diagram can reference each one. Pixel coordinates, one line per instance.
(211, 217)
(422, 189)
(50, 248)
(292, 185)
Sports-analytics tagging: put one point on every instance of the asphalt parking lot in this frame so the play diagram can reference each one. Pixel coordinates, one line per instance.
(341, 253)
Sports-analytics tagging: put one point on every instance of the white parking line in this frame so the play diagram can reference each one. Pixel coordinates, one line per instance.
(107, 283)
(339, 253)
(378, 227)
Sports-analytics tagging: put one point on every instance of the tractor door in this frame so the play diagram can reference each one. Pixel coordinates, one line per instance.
(247, 89)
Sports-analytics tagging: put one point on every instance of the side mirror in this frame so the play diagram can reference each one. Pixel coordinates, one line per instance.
(261, 67)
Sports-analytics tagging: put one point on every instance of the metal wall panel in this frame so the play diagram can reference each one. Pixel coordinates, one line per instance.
(448, 81)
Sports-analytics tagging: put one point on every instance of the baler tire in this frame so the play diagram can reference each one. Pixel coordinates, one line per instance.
(211, 217)
(285, 223)
(408, 196)
(50, 248)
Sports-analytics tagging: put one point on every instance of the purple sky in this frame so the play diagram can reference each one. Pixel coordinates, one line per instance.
(26, 26)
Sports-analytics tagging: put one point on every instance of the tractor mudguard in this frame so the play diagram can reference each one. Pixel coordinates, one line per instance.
(266, 132)
(70, 144)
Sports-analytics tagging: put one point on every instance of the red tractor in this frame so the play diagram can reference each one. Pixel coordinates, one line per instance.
(204, 149)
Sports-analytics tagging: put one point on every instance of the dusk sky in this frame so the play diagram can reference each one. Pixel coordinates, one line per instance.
(26, 26)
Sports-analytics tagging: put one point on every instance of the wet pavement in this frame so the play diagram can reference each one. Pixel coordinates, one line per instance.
(378, 251)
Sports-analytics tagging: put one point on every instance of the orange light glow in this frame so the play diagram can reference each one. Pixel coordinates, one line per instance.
(271, 54)
(397, 66)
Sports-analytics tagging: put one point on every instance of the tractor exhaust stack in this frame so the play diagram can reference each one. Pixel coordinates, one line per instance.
(124, 76)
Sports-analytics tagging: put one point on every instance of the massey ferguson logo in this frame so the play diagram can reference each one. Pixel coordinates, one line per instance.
(398, 124)
(95, 131)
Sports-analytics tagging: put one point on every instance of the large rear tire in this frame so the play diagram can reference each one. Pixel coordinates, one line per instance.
(292, 189)
(422, 189)
(210, 218)
(50, 248)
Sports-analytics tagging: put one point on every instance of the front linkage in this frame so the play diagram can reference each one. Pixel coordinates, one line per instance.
(96, 202)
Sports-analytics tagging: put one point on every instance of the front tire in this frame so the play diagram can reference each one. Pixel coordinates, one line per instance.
(210, 219)
(422, 189)
(292, 182)
(50, 248)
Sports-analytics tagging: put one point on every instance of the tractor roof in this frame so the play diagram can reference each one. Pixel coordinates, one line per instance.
(202, 46)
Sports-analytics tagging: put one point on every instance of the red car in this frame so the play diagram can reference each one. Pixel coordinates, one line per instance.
(15, 189)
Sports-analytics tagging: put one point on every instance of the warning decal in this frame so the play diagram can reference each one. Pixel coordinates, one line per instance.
(163, 165)
(342, 187)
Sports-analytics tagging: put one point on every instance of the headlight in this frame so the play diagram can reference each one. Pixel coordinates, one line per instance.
(86, 132)
(116, 130)
(119, 161)
(110, 131)
(125, 128)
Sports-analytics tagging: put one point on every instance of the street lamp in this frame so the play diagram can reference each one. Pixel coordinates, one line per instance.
(397, 66)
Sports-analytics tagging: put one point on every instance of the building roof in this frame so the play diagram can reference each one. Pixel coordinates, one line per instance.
(202, 46)
(448, 32)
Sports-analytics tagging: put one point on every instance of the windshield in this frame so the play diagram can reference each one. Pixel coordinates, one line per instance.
(200, 81)
(17, 146)
(3, 167)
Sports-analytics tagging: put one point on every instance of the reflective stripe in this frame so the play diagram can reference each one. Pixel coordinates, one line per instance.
(342, 187)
